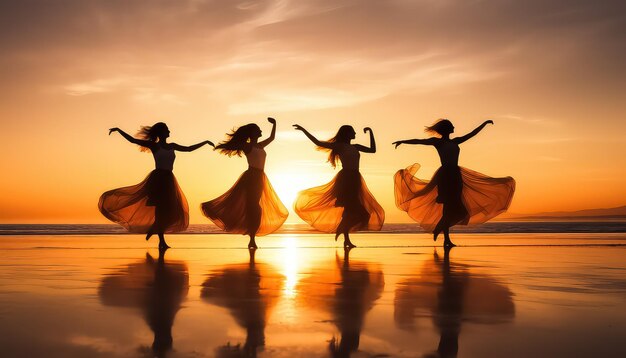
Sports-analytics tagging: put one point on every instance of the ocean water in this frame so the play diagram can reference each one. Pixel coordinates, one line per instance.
(301, 295)
(490, 227)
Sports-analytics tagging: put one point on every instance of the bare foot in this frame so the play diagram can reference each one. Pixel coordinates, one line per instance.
(148, 236)
(448, 244)
(252, 245)
(163, 246)
(348, 244)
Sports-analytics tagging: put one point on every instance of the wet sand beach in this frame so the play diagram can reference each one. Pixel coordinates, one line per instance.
(301, 295)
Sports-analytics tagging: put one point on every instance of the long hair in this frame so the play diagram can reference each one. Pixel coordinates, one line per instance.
(441, 127)
(237, 140)
(342, 136)
(150, 133)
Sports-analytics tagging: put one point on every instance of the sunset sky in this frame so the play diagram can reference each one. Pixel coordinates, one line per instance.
(551, 74)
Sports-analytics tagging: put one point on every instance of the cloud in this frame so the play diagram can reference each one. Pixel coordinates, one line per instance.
(304, 55)
(102, 85)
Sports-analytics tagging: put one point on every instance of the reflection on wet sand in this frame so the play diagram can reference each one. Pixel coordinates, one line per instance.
(156, 287)
(249, 290)
(347, 292)
(454, 296)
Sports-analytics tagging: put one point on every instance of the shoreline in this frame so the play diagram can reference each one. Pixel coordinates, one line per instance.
(494, 227)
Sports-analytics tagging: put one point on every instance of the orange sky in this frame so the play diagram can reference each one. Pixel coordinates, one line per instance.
(550, 74)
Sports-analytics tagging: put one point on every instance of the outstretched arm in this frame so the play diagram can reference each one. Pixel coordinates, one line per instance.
(128, 137)
(191, 148)
(429, 141)
(315, 141)
(372, 147)
(469, 135)
(272, 134)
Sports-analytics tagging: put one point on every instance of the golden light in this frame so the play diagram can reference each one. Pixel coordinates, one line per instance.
(287, 184)
(290, 265)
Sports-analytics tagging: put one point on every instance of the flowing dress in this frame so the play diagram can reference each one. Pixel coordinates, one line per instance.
(344, 201)
(250, 206)
(157, 204)
(465, 197)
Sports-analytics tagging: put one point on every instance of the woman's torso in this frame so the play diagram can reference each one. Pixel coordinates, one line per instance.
(448, 152)
(164, 158)
(349, 156)
(256, 157)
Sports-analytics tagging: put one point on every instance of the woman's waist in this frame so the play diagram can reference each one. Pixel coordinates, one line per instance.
(349, 170)
(450, 167)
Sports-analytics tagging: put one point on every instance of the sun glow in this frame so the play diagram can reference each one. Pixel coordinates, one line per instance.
(287, 184)
(287, 188)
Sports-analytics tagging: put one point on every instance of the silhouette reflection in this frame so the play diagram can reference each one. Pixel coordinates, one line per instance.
(249, 291)
(347, 292)
(454, 296)
(156, 287)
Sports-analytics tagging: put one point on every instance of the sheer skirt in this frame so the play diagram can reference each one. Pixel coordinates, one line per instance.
(344, 203)
(157, 204)
(249, 207)
(467, 196)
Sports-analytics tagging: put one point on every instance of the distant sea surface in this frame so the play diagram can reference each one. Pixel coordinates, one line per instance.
(491, 227)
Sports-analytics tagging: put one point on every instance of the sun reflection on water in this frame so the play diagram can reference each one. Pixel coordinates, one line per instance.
(290, 265)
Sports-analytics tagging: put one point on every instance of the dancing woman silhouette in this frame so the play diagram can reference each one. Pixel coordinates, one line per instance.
(250, 207)
(467, 197)
(156, 205)
(345, 204)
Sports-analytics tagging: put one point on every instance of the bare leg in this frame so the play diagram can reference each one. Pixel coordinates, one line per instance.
(346, 240)
(339, 229)
(254, 218)
(446, 235)
(157, 225)
(162, 244)
(353, 216)
(438, 229)
(252, 243)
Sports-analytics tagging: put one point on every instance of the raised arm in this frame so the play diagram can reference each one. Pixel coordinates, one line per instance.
(429, 141)
(372, 147)
(272, 134)
(469, 135)
(191, 148)
(128, 137)
(315, 141)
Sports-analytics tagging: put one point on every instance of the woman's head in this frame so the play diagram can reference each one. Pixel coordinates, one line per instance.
(344, 135)
(155, 133)
(442, 127)
(237, 139)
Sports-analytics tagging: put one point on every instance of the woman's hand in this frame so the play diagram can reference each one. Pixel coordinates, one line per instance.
(489, 121)
(397, 143)
(367, 129)
(271, 120)
(210, 143)
(298, 128)
(111, 130)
